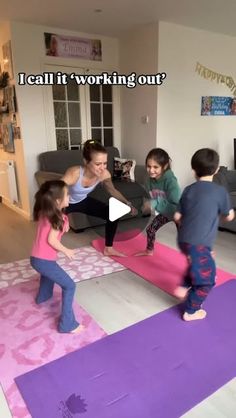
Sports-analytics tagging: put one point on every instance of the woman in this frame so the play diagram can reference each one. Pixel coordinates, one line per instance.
(83, 180)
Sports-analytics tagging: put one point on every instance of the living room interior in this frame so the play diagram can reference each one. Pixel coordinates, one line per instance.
(192, 44)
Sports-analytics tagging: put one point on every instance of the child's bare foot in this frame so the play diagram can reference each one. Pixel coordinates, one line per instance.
(78, 329)
(110, 252)
(181, 292)
(200, 314)
(141, 253)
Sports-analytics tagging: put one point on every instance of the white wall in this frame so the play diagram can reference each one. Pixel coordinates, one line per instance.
(180, 128)
(139, 53)
(29, 57)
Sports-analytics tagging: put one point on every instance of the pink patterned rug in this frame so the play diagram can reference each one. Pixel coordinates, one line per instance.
(29, 337)
(88, 264)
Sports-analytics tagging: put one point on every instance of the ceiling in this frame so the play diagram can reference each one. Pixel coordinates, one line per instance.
(118, 16)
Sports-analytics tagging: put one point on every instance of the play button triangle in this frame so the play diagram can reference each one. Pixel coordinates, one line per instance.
(117, 209)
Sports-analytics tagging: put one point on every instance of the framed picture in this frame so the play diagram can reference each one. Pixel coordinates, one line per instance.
(7, 59)
(9, 98)
(218, 106)
(72, 47)
(1, 137)
(8, 137)
(17, 134)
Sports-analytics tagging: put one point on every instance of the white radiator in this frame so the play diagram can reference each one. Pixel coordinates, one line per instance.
(8, 184)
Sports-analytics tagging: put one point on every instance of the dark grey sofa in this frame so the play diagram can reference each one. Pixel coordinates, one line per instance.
(227, 178)
(53, 164)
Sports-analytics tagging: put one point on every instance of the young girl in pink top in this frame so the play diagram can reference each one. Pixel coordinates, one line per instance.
(50, 201)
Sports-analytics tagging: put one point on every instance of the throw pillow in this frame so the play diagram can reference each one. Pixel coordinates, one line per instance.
(124, 169)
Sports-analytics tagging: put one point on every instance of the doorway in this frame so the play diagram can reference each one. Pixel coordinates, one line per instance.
(75, 113)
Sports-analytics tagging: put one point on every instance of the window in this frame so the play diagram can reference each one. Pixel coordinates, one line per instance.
(75, 113)
(67, 115)
(101, 111)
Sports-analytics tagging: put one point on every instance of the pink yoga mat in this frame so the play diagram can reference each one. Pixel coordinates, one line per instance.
(88, 264)
(165, 269)
(29, 338)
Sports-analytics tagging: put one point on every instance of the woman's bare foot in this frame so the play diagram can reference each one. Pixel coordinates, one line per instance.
(78, 329)
(181, 292)
(141, 253)
(200, 314)
(110, 252)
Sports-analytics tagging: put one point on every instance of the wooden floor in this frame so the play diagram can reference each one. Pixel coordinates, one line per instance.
(121, 299)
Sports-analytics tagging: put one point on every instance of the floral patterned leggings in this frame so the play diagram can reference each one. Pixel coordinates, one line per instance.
(151, 230)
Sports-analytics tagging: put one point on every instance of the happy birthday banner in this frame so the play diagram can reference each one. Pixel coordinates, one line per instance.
(211, 75)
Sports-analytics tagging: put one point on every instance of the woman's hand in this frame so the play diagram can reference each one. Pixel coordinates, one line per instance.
(134, 211)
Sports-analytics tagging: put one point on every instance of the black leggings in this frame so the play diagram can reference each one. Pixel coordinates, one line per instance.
(94, 207)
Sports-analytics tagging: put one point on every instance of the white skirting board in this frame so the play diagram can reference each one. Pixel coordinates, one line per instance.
(8, 183)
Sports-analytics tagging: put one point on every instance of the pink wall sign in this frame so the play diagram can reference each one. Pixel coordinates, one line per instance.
(72, 47)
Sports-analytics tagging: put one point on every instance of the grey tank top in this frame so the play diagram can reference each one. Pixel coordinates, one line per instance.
(77, 192)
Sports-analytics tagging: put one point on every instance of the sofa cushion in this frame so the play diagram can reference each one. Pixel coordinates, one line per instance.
(233, 199)
(42, 176)
(131, 190)
(220, 177)
(60, 161)
(124, 168)
(112, 152)
(231, 180)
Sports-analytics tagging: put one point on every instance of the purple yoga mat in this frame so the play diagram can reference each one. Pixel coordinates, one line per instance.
(158, 368)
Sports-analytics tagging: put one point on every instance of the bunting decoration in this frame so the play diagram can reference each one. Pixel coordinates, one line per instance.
(211, 75)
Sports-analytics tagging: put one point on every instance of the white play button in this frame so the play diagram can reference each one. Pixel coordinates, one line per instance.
(117, 209)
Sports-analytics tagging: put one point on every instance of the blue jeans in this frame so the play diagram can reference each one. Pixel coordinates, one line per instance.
(52, 273)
